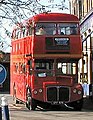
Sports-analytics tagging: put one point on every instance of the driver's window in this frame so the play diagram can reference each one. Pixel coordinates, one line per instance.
(43, 67)
(66, 68)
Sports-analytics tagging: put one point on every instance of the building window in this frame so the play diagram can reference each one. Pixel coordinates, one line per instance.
(83, 11)
(91, 3)
(80, 10)
(74, 11)
(87, 6)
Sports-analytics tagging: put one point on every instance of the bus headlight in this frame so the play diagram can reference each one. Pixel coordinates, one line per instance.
(40, 90)
(75, 90)
(79, 92)
(35, 92)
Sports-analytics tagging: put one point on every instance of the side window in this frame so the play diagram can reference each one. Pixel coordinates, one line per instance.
(13, 34)
(29, 62)
(30, 30)
(19, 33)
(23, 68)
(23, 31)
(26, 32)
(15, 67)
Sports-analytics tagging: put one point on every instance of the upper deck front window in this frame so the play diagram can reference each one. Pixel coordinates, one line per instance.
(45, 28)
(68, 28)
(56, 28)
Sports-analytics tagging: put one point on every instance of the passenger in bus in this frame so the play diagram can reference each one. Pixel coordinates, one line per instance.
(73, 31)
(41, 31)
(62, 33)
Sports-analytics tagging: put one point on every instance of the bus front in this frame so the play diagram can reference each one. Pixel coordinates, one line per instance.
(56, 52)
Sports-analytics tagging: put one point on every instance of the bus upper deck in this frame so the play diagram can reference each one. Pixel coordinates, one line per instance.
(55, 31)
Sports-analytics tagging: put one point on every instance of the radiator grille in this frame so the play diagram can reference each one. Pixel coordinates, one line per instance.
(63, 94)
(52, 94)
(58, 94)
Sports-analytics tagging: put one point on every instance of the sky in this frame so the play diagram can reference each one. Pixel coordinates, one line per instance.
(53, 5)
(58, 2)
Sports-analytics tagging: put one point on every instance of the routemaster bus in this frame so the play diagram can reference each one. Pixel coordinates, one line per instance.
(45, 52)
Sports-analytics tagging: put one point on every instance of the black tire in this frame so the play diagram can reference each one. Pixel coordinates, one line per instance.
(77, 105)
(30, 102)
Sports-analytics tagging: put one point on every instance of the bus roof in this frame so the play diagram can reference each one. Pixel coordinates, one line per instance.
(50, 17)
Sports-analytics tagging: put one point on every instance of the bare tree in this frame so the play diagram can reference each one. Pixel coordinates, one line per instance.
(15, 11)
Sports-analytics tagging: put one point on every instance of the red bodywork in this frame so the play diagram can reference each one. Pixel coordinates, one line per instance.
(34, 47)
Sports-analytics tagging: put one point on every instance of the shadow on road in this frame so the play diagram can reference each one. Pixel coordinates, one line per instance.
(88, 105)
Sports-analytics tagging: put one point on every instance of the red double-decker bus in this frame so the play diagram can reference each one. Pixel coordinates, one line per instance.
(45, 52)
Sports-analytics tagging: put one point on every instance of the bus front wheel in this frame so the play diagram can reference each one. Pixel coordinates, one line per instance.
(77, 105)
(30, 102)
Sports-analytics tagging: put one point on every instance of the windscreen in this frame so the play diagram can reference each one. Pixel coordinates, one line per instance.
(51, 67)
(44, 67)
